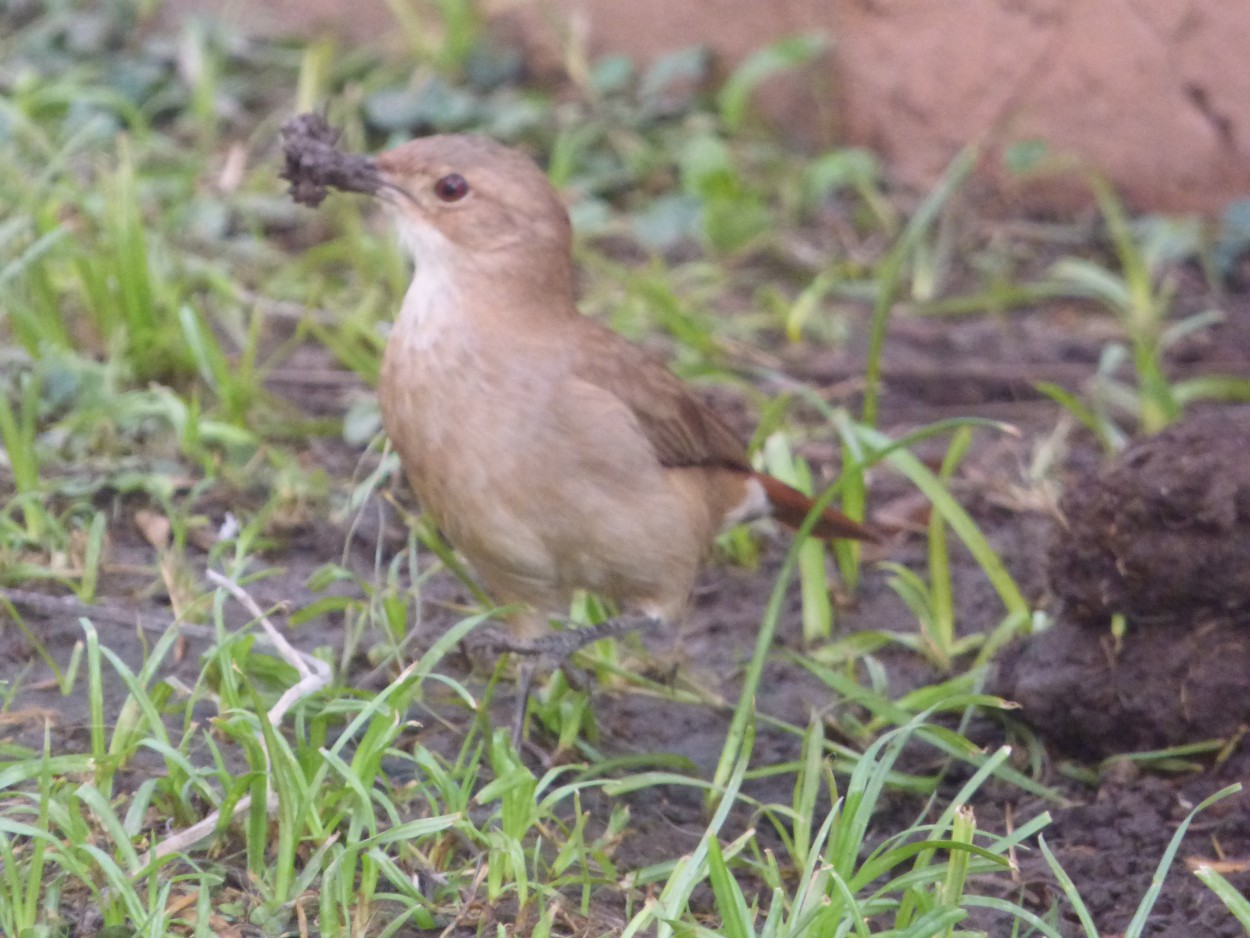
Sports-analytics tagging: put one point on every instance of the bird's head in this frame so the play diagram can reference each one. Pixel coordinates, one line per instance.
(475, 199)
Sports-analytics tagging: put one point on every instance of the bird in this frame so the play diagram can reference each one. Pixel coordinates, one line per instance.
(553, 453)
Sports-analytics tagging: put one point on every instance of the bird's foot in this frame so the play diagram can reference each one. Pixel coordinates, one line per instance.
(552, 651)
(560, 644)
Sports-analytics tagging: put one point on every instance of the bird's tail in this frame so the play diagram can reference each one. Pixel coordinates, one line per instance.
(791, 507)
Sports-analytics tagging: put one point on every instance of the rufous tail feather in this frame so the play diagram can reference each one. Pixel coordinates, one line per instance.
(791, 507)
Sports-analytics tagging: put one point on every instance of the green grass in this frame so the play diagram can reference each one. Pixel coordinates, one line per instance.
(159, 300)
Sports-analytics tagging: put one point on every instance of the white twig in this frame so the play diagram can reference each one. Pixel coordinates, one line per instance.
(314, 675)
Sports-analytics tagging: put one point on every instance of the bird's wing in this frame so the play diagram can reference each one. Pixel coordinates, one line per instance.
(681, 430)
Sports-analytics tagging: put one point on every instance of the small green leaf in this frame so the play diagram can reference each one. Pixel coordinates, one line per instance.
(790, 52)
(1026, 156)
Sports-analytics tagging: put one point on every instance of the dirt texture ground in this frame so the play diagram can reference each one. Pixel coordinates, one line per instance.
(1147, 692)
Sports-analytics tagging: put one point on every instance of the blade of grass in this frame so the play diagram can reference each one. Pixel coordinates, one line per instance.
(1138, 925)
(787, 53)
(1228, 894)
(890, 272)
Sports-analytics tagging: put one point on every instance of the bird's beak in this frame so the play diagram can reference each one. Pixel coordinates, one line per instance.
(389, 186)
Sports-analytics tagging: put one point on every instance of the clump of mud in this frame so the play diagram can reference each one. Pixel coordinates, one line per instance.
(314, 164)
(1161, 536)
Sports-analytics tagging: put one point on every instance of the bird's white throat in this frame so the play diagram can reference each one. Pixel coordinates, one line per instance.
(430, 310)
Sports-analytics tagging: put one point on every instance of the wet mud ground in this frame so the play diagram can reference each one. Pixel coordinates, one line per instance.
(1180, 674)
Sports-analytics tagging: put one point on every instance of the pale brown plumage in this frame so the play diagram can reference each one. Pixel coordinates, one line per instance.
(554, 454)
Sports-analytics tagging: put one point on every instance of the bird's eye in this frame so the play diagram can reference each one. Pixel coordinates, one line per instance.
(452, 188)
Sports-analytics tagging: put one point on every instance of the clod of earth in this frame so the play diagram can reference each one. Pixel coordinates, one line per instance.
(1163, 537)
(314, 164)
(1164, 533)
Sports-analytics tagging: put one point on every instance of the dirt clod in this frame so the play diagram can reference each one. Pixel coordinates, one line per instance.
(1162, 536)
(1164, 686)
(314, 164)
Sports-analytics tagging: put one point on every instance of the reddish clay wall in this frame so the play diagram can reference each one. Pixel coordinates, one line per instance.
(1156, 92)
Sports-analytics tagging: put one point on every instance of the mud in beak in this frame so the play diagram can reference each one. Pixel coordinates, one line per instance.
(314, 164)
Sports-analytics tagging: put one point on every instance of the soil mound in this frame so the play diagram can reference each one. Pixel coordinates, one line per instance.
(1162, 536)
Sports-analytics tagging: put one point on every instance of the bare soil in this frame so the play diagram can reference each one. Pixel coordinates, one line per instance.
(1178, 674)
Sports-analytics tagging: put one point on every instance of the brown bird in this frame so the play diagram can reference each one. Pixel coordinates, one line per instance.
(552, 452)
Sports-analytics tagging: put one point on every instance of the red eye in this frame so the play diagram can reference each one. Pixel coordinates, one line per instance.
(452, 188)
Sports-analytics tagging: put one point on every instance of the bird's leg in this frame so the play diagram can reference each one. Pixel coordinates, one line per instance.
(563, 644)
(557, 648)
(526, 669)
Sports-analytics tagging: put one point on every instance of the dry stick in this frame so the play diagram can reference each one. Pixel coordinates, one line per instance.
(53, 606)
(314, 675)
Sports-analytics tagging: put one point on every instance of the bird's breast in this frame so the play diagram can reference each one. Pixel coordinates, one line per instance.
(464, 409)
(438, 407)
(545, 482)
